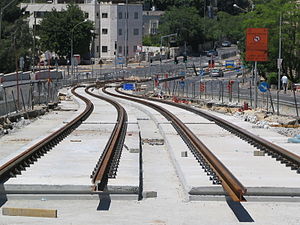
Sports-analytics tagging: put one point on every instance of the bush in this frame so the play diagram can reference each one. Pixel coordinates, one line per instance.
(272, 78)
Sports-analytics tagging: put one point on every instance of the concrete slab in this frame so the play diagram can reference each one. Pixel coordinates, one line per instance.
(269, 134)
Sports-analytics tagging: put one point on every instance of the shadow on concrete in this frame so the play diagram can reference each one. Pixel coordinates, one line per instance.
(239, 211)
(104, 203)
(3, 197)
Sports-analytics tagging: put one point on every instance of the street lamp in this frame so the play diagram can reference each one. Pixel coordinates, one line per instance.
(238, 7)
(161, 42)
(245, 10)
(72, 39)
(255, 63)
(1, 14)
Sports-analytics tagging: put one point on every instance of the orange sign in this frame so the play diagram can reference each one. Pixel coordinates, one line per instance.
(257, 39)
(257, 44)
(259, 56)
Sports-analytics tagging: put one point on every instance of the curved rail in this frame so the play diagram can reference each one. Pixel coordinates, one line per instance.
(288, 158)
(18, 163)
(108, 162)
(213, 166)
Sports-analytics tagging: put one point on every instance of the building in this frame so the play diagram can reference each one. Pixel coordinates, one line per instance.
(111, 24)
(151, 21)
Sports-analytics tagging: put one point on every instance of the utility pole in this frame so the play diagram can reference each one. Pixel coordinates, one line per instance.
(34, 32)
(255, 84)
(279, 62)
(126, 33)
(99, 42)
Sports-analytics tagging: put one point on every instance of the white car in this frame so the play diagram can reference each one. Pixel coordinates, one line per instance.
(217, 73)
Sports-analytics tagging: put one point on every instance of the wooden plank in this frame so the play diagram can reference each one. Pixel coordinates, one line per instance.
(29, 212)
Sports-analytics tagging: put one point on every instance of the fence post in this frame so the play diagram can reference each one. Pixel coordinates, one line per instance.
(5, 99)
(251, 93)
(271, 101)
(22, 96)
(39, 91)
(222, 87)
(238, 84)
(295, 102)
(211, 89)
(194, 90)
(16, 108)
(200, 89)
(205, 89)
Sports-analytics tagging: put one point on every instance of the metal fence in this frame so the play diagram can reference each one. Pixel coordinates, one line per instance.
(237, 92)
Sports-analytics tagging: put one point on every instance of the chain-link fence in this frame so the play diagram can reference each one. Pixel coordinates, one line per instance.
(236, 92)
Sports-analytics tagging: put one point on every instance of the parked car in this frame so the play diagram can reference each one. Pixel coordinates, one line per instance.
(217, 73)
(211, 53)
(226, 44)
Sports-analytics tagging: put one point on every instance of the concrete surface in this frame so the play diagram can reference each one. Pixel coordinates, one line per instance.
(162, 178)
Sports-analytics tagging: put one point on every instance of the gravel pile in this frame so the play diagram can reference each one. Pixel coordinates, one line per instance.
(10, 127)
(289, 132)
(267, 122)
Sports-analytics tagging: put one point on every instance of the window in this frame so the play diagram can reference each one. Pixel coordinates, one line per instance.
(97, 48)
(39, 14)
(97, 15)
(126, 50)
(134, 48)
(86, 15)
(104, 31)
(153, 27)
(136, 15)
(135, 31)
(120, 15)
(115, 46)
(104, 49)
(104, 15)
(120, 32)
(120, 50)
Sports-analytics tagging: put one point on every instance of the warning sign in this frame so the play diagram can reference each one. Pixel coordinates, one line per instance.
(257, 44)
(258, 56)
(257, 39)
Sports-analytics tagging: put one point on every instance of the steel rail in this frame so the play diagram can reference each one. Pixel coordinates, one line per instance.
(288, 158)
(231, 184)
(24, 159)
(109, 159)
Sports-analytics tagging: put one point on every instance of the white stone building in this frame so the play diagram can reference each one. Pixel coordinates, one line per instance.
(110, 22)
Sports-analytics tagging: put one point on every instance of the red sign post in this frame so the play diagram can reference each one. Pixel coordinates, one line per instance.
(257, 44)
(257, 49)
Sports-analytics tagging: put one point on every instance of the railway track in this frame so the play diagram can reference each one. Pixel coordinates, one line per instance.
(280, 154)
(107, 164)
(214, 168)
(14, 166)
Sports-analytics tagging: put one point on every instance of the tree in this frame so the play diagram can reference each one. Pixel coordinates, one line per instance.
(226, 27)
(56, 32)
(186, 22)
(266, 15)
(16, 39)
(151, 40)
(202, 5)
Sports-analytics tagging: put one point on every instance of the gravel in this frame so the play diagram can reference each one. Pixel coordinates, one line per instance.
(267, 124)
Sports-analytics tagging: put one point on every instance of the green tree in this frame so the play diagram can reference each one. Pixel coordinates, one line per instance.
(186, 22)
(151, 40)
(56, 32)
(16, 38)
(202, 5)
(266, 15)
